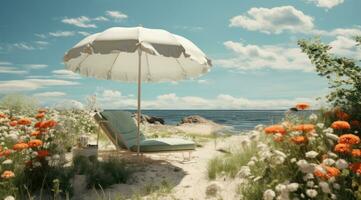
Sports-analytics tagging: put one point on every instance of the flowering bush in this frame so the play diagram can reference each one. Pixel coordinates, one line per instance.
(28, 144)
(305, 158)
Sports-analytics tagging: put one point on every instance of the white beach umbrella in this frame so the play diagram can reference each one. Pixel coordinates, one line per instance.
(137, 54)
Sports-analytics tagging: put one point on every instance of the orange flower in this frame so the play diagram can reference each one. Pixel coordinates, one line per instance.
(328, 173)
(13, 123)
(332, 172)
(342, 148)
(43, 153)
(35, 133)
(40, 115)
(299, 139)
(355, 123)
(302, 106)
(51, 123)
(356, 152)
(340, 125)
(356, 167)
(35, 143)
(39, 124)
(275, 129)
(7, 174)
(2, 115)
(342, 115)
(20, 146)
(24, 121)
(304, 127)
(349, 139)
(5, 153)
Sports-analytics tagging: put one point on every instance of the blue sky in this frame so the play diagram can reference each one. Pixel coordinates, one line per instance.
(252, 44)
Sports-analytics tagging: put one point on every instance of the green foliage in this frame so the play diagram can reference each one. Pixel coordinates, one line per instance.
(102, 174)
(42, 178)
(343, 74)
(19, 104)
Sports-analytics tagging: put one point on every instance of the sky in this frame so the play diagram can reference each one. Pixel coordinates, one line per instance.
(252, 44)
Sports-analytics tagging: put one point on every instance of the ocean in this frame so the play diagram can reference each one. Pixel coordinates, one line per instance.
(240, 120)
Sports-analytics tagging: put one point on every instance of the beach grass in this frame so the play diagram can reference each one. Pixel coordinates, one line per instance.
(230, 163)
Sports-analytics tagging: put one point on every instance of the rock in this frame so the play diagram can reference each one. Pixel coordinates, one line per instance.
(213, 189)
(194, 119)
(149, 119)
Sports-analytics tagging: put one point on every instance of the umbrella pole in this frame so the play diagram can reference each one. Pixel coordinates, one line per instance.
(139, 97)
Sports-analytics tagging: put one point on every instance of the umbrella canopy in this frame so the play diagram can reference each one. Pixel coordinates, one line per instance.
(137, 54)
(114, 55)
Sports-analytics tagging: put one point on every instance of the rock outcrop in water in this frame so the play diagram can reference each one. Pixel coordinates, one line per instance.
(149, 119)
(195, 119)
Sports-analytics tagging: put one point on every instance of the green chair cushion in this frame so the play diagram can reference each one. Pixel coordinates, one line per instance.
(164, 144)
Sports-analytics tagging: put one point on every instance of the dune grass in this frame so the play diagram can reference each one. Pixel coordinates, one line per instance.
(230, 163)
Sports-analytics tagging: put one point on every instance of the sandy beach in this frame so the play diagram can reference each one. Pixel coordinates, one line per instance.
(183, 174)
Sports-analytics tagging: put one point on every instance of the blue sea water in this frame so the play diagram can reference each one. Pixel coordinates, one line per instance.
(240, 120)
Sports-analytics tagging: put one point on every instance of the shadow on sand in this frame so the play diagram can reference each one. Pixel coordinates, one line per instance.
(151, 175)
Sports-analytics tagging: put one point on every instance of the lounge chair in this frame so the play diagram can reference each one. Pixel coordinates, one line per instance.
(121, 129)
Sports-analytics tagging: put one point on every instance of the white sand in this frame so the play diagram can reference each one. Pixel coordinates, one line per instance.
(188, 179)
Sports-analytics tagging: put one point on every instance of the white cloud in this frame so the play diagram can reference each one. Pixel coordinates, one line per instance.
(326, 3)
(32, 84)
(49, 94)
(254, 57)
(189, 28)
(42, 43)
(344, 46)
(62, 33)
(348, 32)
(23, 46)
(115, 100)
(84, 33)
(117, 15)
(11, 70)
(36, 66)
(100, 18)
(274, 20)
(65, 74)
(40, 35)
(83, 22)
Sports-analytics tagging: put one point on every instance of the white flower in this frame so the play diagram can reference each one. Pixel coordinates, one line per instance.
(324, 187)
(244, 172)
(293, 160)
(328, 161)
(328, 130)
(280, 153)
(310, 184)
(332, 136)
(7, 162)
(331, 154)
(308, 176)
(269, 194)
(333, 196)
(320, 125)
(295, 133)
(9, 198)
(311, 154)
(280, 187)
(313, 117)
(305, 167)
(257, 178)
(311, 193)
(277, 160)
(341, 164)
(251, 163)
(292, 187)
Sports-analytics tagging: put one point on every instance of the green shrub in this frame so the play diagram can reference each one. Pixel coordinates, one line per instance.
(102, 174)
